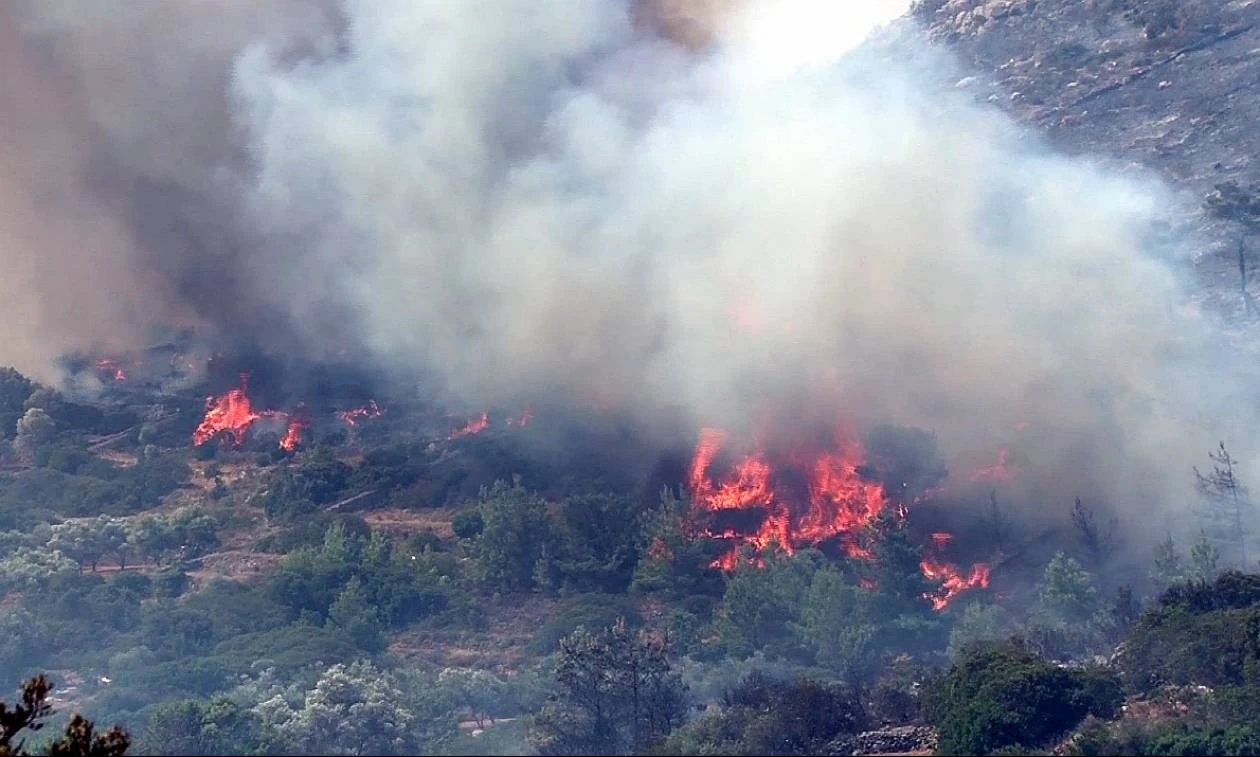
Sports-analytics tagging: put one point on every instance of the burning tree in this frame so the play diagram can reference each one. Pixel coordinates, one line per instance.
(1225, 503)
(837, 497)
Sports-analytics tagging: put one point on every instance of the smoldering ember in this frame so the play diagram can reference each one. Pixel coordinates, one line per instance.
(630, 377)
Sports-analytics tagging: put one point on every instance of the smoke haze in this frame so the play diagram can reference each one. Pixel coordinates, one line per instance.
(554, 196)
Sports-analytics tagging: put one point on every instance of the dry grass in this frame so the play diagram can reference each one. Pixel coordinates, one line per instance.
(235, 564)
(396, 520)
(511, 625)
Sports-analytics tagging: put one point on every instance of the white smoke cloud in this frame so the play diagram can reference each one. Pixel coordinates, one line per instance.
(536, 195)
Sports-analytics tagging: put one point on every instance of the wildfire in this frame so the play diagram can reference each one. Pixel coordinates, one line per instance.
(1002, 470)
(474, 426)
(953, 582)
(299, 422)
(525, 418)
(838, 501)
(352, 417)
(835, 504)
(105, 365)
(482, 422)
(231, 413)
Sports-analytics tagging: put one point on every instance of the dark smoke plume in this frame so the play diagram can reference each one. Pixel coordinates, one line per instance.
(731, 207)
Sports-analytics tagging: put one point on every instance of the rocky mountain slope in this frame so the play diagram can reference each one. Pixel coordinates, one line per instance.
(1171, 86)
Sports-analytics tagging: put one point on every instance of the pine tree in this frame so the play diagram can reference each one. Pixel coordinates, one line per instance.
(1225, 504)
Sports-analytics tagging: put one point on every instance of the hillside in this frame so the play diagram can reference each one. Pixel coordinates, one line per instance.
(1167, 86)
(924, 526)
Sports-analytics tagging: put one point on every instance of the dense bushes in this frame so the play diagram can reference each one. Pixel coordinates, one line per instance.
(765, 716)
(1198, 633)
(1000, 696)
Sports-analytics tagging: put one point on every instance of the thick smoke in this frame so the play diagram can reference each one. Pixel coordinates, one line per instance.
(120, 185)
(731, 207)
(548, 197)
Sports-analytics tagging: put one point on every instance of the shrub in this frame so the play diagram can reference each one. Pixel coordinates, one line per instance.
(468, 524)
(1003, 696)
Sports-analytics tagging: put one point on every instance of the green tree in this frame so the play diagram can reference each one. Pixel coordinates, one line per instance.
(353, 709)
(1099, 541)
(670, 560)
(979, 622)
(616, 694)
(14, 389)
(28, 569)
(355, 616)
(1226, 505)
(516, 533)
(897, 571)
(761, 603)
(190, 727)
(1168, 567)
(79, 739)
(80, 540)
(838, 626)
(762, 716)
(468, 524)
(1204, 558)
(1002, 696)
(481, 692)
(596, 544)
(1068, 618)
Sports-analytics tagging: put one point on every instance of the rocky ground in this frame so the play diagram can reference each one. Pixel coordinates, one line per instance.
(895, 740)
(1167, 86)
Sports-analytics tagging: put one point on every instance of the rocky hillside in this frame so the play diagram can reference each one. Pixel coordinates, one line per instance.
(1168, 85)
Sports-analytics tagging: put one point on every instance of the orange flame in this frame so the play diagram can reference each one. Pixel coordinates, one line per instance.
(352, 417)
(231, 413)
(482, 422)
(107, 365)
(839, 503)
(1000, 471)
(475, 426)
(952, 581)
(299, 422)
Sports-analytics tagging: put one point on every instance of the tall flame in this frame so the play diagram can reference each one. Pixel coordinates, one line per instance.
(837, 504)
(299, 422)
(231, 413)
(839, 501)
